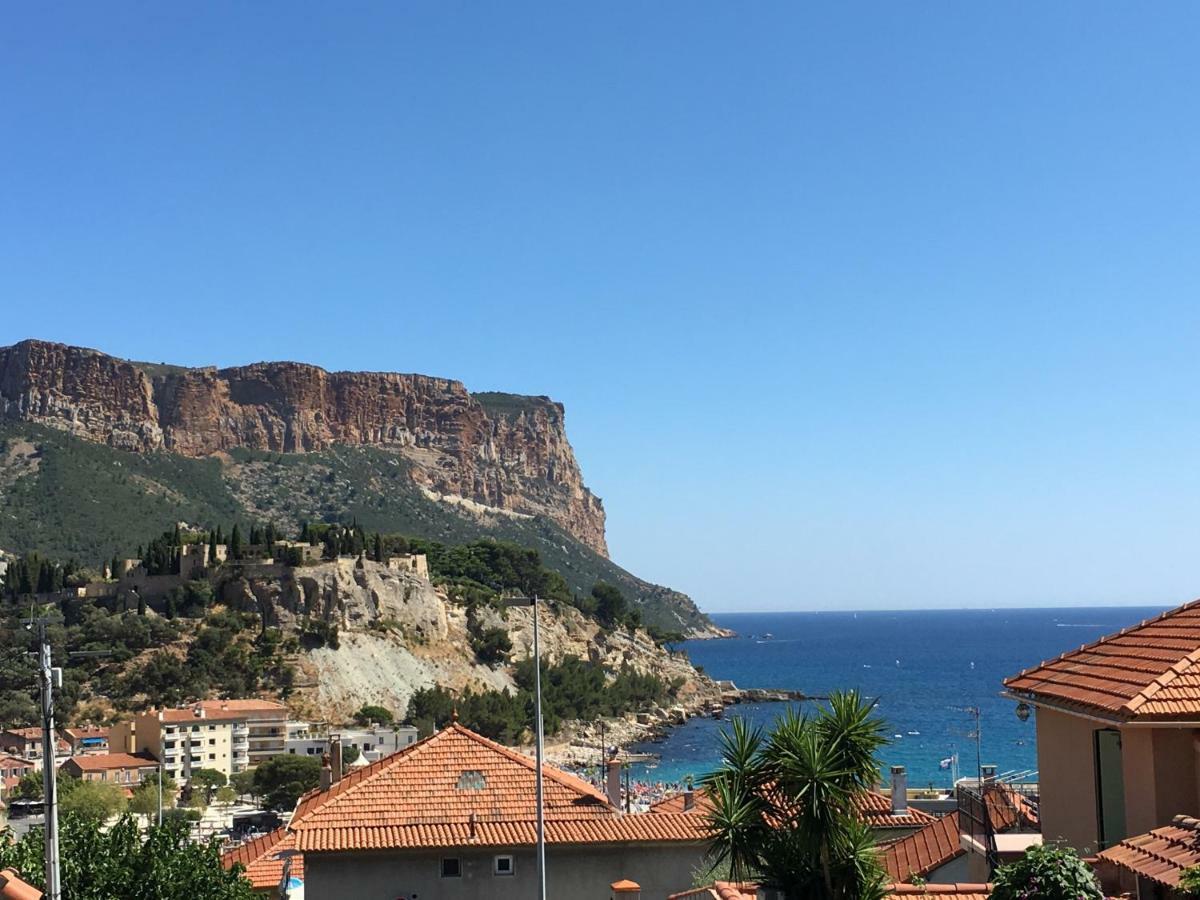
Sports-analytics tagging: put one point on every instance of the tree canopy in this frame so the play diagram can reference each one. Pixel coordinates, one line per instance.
(783, 803)
(99, 864)
(282, 779)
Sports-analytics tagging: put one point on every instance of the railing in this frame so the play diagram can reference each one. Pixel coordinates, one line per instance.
(997, 807)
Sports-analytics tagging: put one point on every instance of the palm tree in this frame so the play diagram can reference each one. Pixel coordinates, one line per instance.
(783, 803)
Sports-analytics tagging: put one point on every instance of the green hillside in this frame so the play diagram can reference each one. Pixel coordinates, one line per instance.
(73, 499)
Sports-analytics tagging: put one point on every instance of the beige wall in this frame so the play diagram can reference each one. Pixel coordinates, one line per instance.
(579, 873)
(1067, 778)
(1159, 766)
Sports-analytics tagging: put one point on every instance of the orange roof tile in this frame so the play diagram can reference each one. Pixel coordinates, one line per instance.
(1149, 671)
(457, 788)
(924, 850)
(874, 808)
(949, 891)
(245, 705)
(262, 859)
(13, 888)
(80, 734)
(1162, 854)
(101, 762)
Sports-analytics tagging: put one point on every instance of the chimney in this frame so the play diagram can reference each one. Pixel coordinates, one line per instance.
(689, 796)
(899, 791)
(988, 772)
(626, 890)
(612, 781)
(326, 781)
(335, 758)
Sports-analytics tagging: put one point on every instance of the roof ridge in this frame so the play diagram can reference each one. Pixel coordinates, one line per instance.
(1106, 638)
(1176, 669)
(318, 799)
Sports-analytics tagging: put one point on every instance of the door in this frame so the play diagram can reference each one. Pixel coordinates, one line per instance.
(1110, 787)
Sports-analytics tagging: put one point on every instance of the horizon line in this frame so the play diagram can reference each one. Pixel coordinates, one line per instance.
(759, 612)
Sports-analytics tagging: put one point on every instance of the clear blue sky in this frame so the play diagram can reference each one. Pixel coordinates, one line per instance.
(851, 305)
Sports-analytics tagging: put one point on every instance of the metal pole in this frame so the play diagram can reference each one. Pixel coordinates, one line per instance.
(160, 780)
(49, 782)
(537, 686)
(979, 748)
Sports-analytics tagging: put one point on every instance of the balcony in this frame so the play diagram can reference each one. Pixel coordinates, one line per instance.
(999, 818)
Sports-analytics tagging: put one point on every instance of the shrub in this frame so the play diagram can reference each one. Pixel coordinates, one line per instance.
(1048, 873)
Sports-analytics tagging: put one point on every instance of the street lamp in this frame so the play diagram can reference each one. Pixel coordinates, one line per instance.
(532, 603)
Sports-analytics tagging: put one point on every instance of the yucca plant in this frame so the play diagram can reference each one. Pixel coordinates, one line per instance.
(783, 803)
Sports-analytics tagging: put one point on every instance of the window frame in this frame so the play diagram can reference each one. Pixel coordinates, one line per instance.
(512, 865)
(456, 860)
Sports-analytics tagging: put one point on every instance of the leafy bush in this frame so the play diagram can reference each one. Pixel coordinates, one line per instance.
(373, 713)
(1047, 873)
(118, 862)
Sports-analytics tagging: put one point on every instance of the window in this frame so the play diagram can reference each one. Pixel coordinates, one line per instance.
(212, 742)
(451, 867)
(471, 780)
(212, 756)
(502, 865)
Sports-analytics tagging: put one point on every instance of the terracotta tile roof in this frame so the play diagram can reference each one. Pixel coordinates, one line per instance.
(242, 706)
(1009, 809)
(1162, 854)
(188, 714)
(457, 788)
(874, 808)
(102, 762)
(924, 850)
(261, 859)
(949, 891)
(1149, 671)
(79, 734)
(13, 888)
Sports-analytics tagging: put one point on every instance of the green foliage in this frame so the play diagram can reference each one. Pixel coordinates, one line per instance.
(1048, 873)
(96, 801)
(282, 779)
(227, 795)
(573, 689)
(369, 713)
(485, 569)
(100, 864)
(242, 782)
(145, 795)
(204, 782)
(1189, 881)
(612, 609)
(83, 501)
(349, 755)
(783, 803)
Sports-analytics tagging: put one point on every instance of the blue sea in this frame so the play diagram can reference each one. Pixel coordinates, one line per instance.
(924, 668)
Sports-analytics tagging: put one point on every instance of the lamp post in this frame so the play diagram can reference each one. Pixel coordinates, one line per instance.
(532, 603)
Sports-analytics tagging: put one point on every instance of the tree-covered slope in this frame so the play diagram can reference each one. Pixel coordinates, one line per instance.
(74, 499)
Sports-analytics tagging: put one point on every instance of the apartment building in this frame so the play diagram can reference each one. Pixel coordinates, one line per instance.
(265, 723)
(185, 740)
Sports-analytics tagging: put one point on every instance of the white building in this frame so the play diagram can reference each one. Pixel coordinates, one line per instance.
(373, 742)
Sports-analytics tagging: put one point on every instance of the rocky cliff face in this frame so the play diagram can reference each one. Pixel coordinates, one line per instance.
(399, 634)
(505, 452)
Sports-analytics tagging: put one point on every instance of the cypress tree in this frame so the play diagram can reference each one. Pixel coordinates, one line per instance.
(235, 542)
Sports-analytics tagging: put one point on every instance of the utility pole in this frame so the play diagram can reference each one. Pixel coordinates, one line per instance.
(532, 602)
(49, 678)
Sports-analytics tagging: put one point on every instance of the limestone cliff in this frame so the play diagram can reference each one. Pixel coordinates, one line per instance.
(399, 634)
(502, 451)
